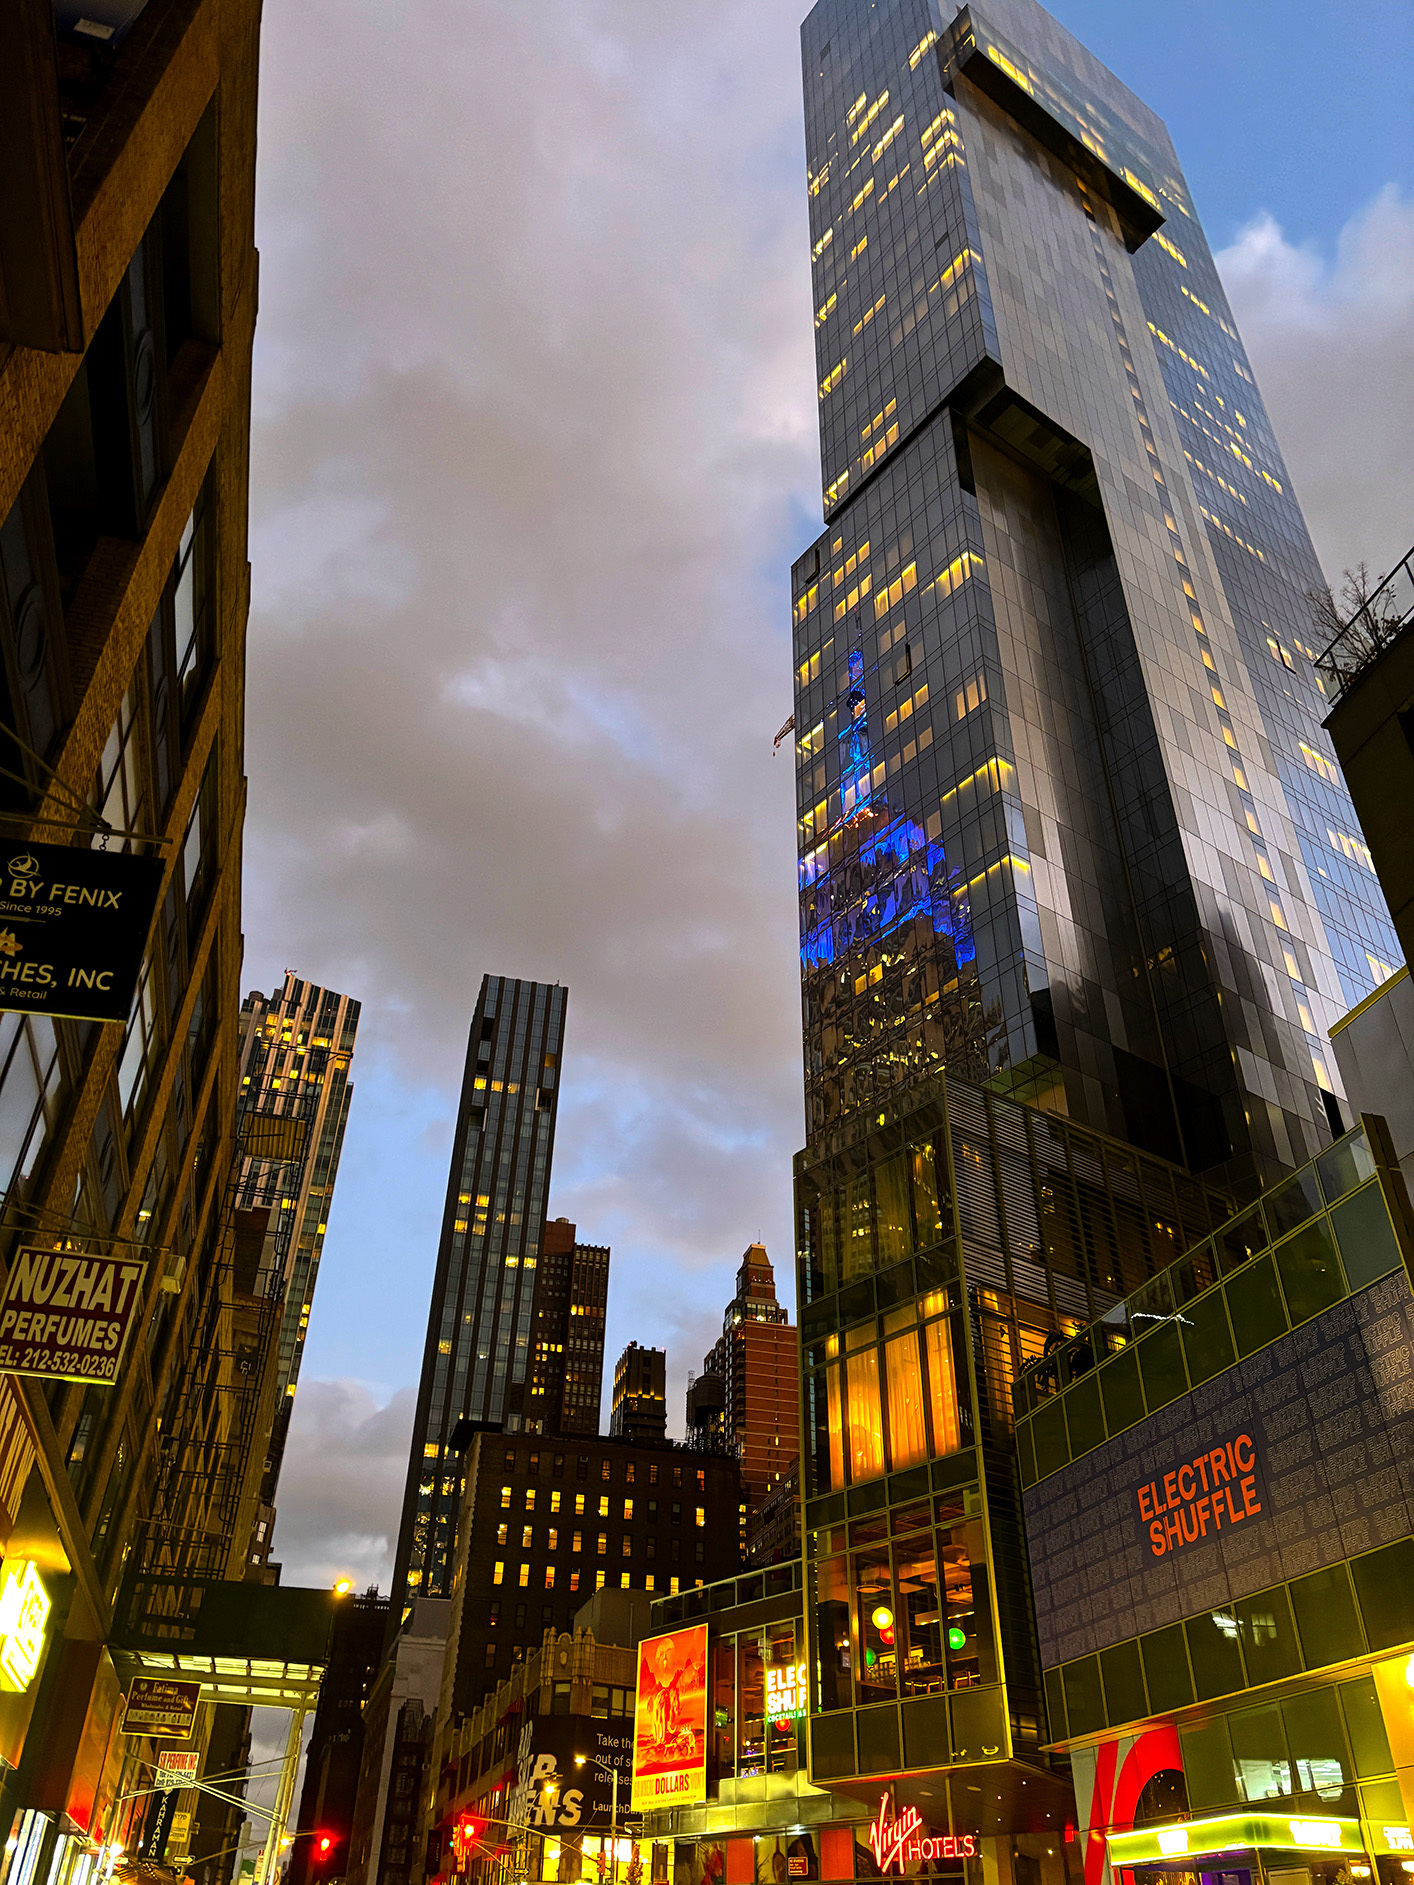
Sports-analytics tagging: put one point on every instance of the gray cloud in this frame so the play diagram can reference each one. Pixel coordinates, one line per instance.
(341, 1485)
(1333, 345)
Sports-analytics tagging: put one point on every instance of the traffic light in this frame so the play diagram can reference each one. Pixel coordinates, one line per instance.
(324, 1844)
(468, 1830)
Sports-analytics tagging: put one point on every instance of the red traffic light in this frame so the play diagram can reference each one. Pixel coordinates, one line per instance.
(323, 1847)
(467, 1831)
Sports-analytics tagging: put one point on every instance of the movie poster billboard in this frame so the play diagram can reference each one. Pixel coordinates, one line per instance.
(670, 1720)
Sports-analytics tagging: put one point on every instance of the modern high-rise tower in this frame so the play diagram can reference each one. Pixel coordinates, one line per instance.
(476, 1363)
(296, 1051)
(1069, 822)
(1081, 886)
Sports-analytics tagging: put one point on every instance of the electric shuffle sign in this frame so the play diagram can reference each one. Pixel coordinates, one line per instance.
(785, 1690)
(1216, 1490)
(901, 1841)
(66, 1317)
(73, 926)
(670, 1720)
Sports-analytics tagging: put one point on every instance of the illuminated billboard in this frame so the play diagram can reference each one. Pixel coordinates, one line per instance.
(670, 1720)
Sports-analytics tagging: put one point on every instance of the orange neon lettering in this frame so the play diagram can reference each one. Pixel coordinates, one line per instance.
(1156, 1532)
(1249, 1464)
(1218, 1457)
(1186, 1492)
(1251, 1504)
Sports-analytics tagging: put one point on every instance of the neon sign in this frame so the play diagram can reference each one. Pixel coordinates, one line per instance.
(24, 1611)
(785, 1691)
(897, 1842)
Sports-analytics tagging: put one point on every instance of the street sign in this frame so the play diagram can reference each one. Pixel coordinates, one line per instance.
(73, 926)
(161, 1708)
(66, 1317)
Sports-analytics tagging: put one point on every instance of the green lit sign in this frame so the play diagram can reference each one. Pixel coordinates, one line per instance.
(957, 1639)
(1232, 1832)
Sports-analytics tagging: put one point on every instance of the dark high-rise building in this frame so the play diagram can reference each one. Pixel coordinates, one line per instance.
(1076, 915)
(1069, 821)
(335, 1753)
(567, 1333)
(640, 1406)
(757, 1360)
(476, 1363)
(547, 1523)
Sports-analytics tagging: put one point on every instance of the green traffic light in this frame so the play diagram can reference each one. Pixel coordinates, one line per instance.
(957, 1639)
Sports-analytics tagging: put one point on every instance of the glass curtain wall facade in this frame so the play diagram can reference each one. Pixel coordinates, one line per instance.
(477, 1360)
(1080, 889)
(1218, 1517)
(945, 1242)
(1069, 823)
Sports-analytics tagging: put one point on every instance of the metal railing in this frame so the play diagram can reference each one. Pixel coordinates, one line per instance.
(1378, 622)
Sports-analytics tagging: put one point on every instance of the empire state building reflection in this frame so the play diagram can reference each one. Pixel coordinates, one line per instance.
(879, 894)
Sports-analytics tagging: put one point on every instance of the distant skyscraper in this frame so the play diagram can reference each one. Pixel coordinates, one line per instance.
(296, 1051)
(1069, 821)
(640, 1409)
(566, 1381)
(757, 1360)
(476, 1362)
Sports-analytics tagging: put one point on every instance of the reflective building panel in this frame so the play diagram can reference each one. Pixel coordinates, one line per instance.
(1068, 821)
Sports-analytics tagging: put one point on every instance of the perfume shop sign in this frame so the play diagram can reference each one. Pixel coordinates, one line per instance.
(1213, 1491)
(66, 1317)
(73, 926)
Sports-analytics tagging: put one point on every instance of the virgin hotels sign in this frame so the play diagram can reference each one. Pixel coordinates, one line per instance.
(898, 1842)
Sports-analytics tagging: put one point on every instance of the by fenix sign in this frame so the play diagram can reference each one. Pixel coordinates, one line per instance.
(73, 926)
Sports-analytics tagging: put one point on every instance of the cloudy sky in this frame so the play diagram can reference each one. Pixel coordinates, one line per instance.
(534, 447)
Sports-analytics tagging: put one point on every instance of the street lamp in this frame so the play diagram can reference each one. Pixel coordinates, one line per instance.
(613, 1773)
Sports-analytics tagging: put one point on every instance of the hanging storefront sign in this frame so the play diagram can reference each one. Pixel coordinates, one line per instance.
(159, 1707)
(24, 1612)
(670, 1720)
(177, 1768)
(898, 1841)
(65, 1317)
(73, 926)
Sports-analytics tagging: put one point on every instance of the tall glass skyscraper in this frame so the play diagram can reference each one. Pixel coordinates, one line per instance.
(1081, 889)
(478, 1351)
(1069, 823)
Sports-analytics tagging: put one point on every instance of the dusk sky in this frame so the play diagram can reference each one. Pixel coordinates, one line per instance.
(534, 446)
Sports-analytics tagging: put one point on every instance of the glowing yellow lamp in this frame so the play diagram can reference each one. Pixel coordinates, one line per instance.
(883, 1618)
